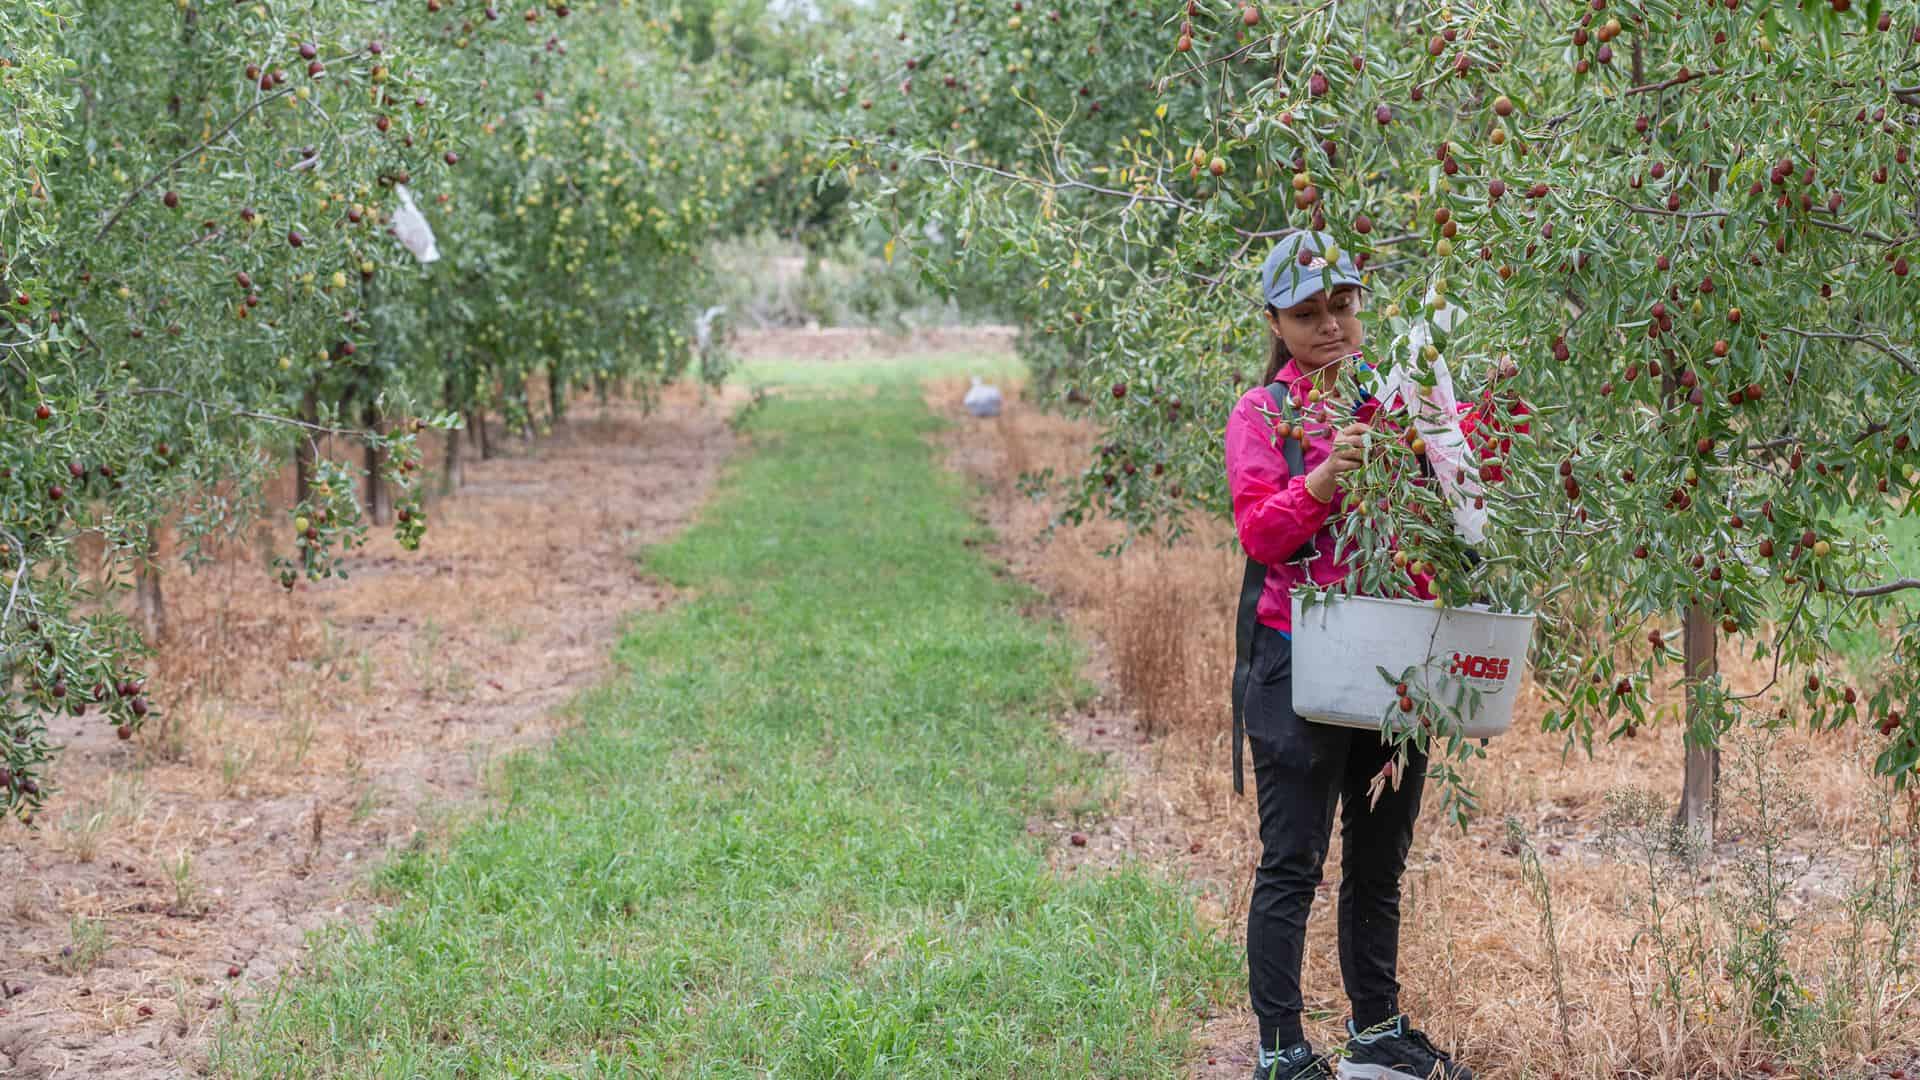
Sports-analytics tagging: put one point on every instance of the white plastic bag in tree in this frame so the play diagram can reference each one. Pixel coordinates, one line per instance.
(1436, 417)
(411, 227)
(703, 327)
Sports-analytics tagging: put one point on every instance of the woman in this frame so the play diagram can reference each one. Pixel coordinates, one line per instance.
(1302, 770)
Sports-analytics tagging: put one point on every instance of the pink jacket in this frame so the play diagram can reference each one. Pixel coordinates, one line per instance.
(1273, 512)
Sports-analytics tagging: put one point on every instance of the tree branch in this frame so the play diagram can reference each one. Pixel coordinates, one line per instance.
(1815, 221)
(1794, 440)
(19, 575)
(1685, 76)
(1662, 211)
(1884, 589)
(162, 172)
(1903, 359)
(1221, 59)
(1779, 645)
(248, 414)
(1834, 226)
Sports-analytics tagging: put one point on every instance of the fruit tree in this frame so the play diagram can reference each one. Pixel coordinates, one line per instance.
(1681, 233)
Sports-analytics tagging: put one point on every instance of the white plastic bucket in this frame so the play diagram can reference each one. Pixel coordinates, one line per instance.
(1337, 643)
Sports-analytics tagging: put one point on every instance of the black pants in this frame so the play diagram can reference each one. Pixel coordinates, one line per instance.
(1301, 770)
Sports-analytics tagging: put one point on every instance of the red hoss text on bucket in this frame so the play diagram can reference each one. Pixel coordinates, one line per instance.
(1479, 667)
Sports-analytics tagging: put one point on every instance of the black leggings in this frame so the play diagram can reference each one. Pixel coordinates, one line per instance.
(1301, 770)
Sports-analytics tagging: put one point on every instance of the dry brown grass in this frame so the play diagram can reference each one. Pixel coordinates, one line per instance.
(1154, 651)
(1477, 964)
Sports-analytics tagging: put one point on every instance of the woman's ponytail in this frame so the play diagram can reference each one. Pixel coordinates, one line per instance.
(1277, 354)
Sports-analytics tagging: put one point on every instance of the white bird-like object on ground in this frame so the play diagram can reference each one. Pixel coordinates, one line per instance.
(982, 400)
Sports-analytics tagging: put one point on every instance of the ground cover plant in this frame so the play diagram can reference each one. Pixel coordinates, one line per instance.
(791, 837)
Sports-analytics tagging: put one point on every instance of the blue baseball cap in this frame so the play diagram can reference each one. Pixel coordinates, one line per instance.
(1285, 280)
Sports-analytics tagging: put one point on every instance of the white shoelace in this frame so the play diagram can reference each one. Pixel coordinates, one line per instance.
(1269, 1058)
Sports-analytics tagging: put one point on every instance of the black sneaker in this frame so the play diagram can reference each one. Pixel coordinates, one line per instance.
(1395, 1051)
(1296, 1062)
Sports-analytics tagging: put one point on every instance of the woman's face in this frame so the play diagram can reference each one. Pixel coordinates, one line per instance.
(1322, 328)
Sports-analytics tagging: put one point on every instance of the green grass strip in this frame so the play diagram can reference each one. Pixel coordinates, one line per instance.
(790, 839)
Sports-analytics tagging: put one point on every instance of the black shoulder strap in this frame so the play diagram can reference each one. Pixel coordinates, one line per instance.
(1252, 584)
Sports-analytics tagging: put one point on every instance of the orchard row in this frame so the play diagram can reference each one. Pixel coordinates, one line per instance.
(239, 231)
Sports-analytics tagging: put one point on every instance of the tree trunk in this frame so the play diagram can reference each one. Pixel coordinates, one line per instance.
(526, 407)
(304, 448)
(379, 492)
(152, 605)
(556, 396)
(456, 474)
(478, 418)
(1700, 788)
(1699, 794)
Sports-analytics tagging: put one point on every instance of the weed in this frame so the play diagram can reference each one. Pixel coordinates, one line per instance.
(298, 736)
(82, 826)
(480, 760)
(354, 766)
(127, 798)
(456, 681)
(186, 888)
(1536, 878)
(1638, 827)
(235, 762)
(1736, 940)
(423, 654)
(168, 738)
(738, 420)
(1761, 798)
(365, 805)
(1878, 967)
(430, 669)
(334, 646)
(89, 943)
(20, 906)
(316, 832)
(183, 1010)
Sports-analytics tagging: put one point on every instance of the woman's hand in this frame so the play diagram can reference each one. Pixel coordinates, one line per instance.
(1349, 453)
